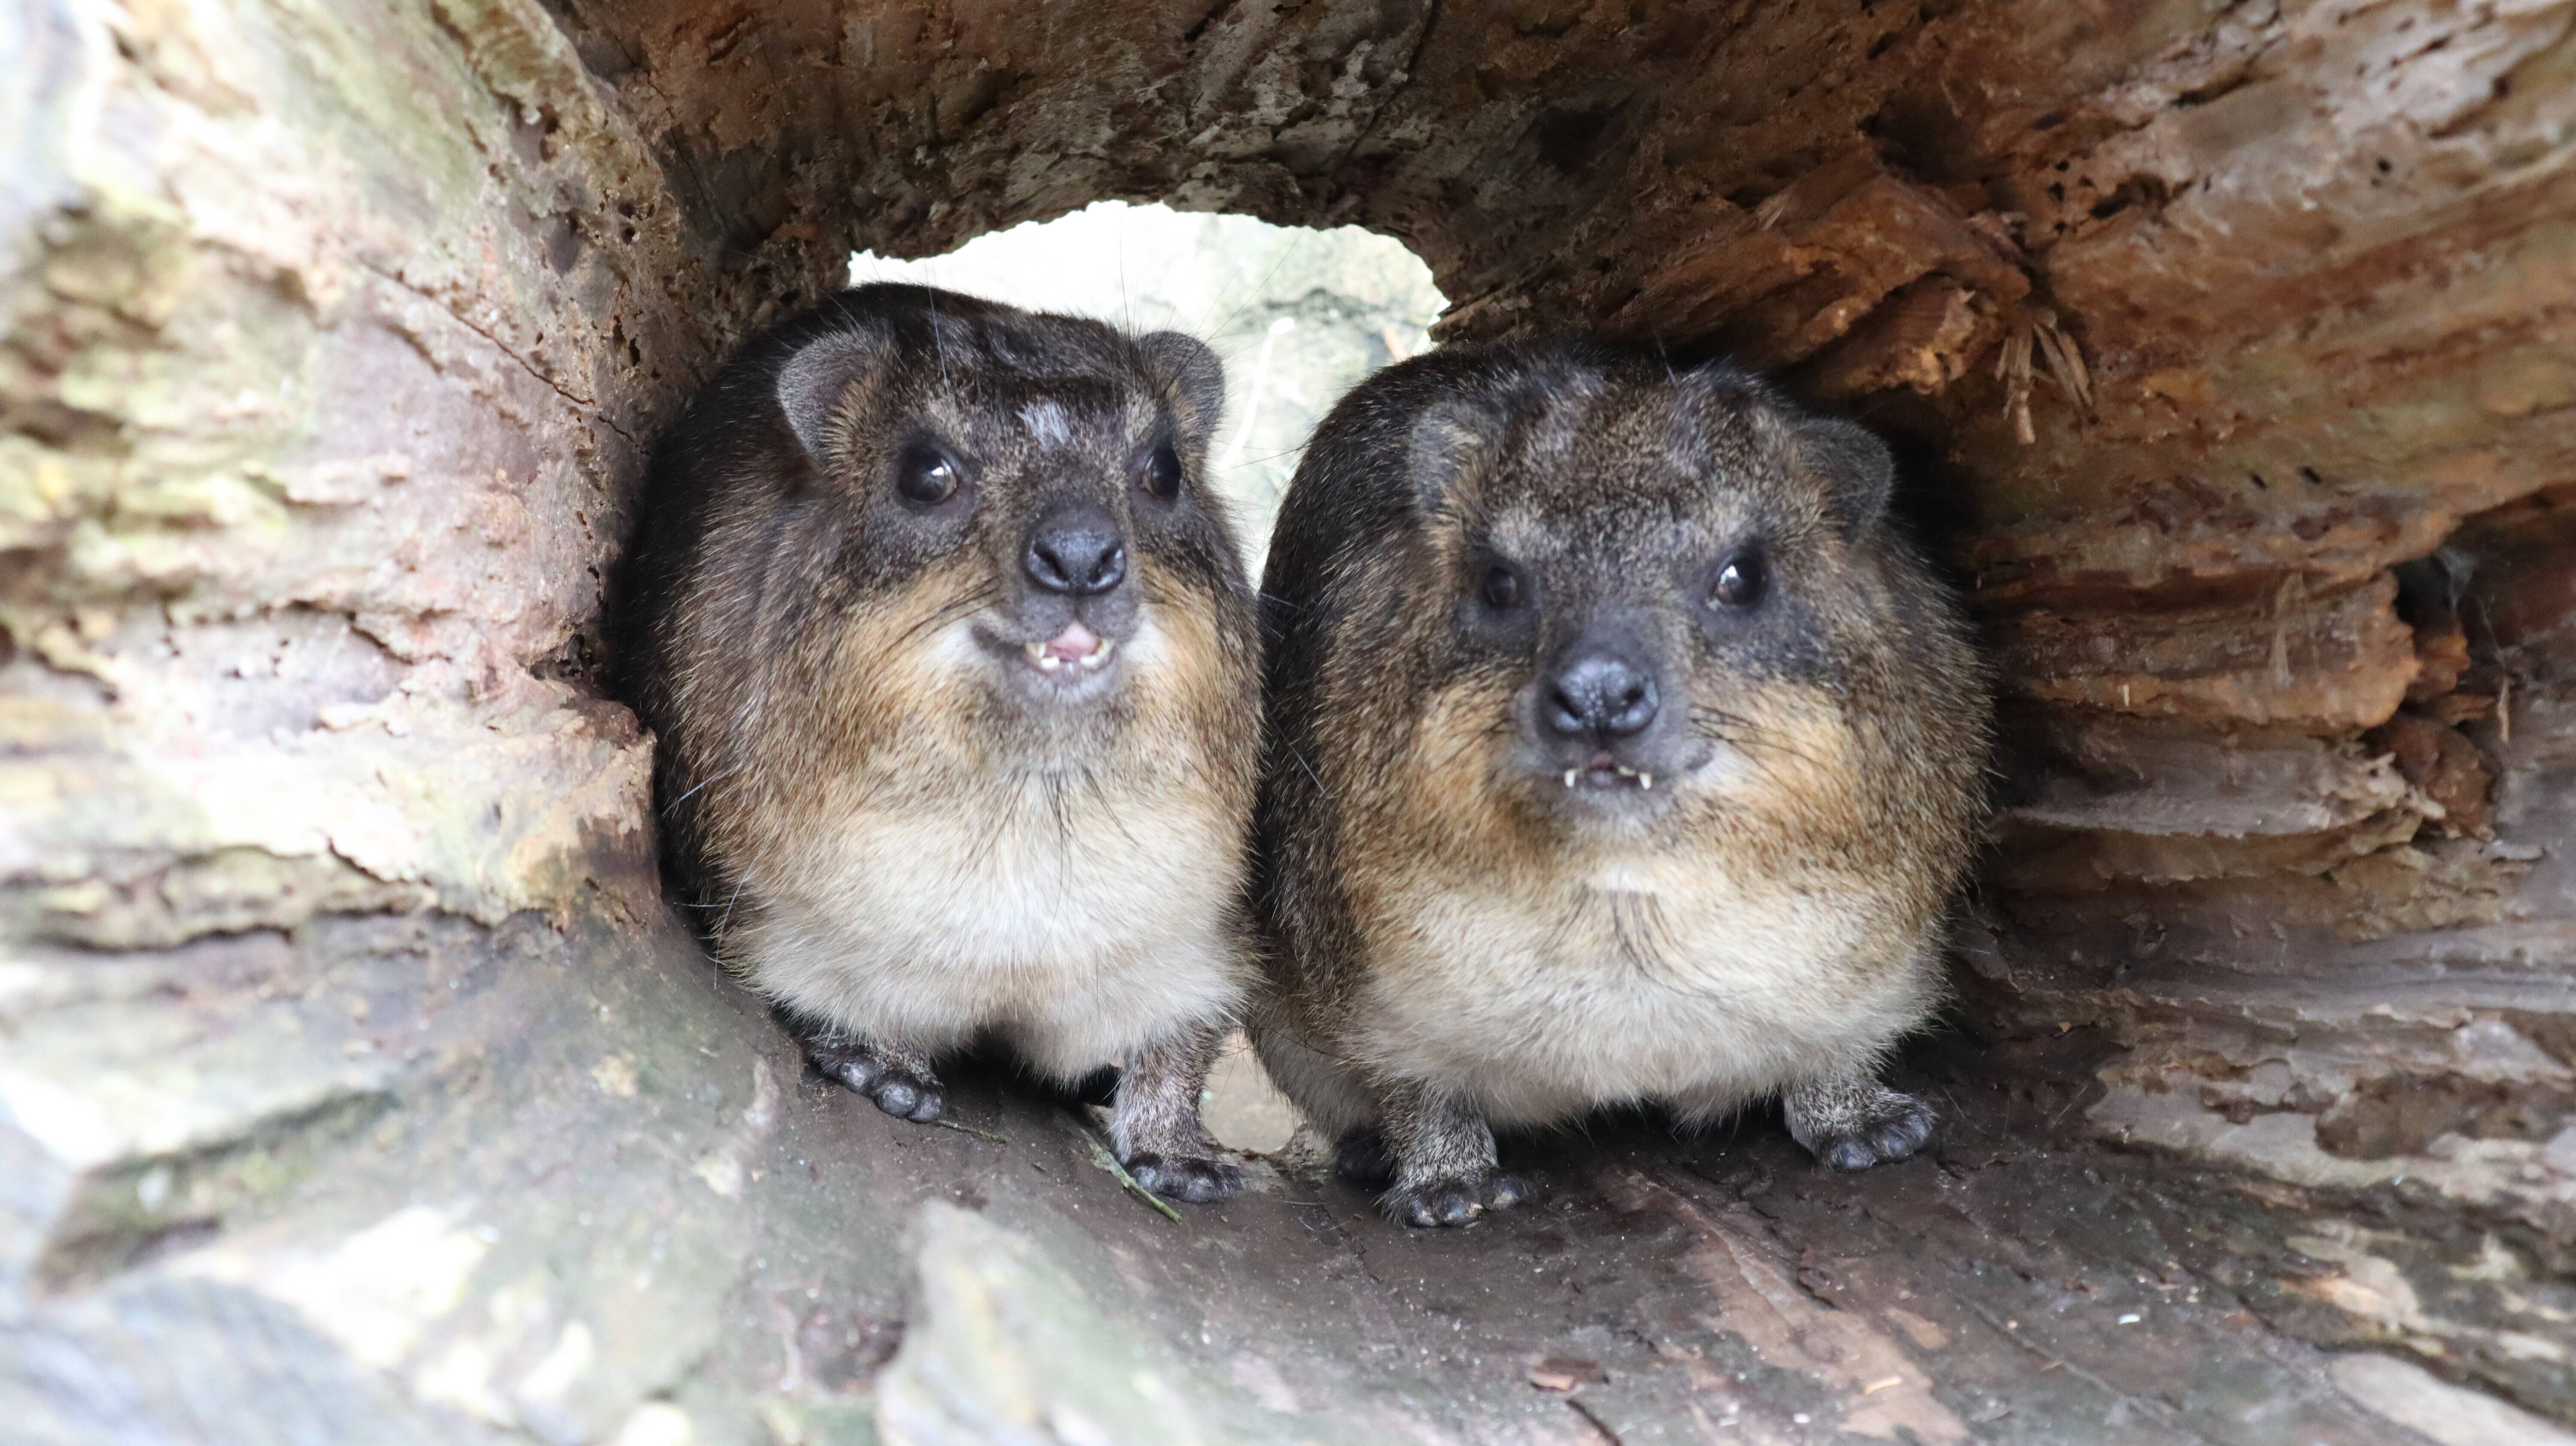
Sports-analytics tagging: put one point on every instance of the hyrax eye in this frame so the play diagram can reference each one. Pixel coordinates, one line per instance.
(1501, 588)
(1741, 581)
(1159, 475)
(925, 477)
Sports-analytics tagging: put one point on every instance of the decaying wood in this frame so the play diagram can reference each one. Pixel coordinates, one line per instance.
(2233, 349)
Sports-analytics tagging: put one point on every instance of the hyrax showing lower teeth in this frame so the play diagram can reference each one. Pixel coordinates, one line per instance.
(954, 669)
(1620, 750)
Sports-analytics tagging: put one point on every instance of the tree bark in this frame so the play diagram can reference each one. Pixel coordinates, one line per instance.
(352, 1066)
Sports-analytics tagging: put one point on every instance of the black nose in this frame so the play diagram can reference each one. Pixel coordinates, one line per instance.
(1076, 551)
(1599, 696)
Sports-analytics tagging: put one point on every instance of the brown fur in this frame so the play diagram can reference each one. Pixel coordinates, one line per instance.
(1459, 936)
(887, 818)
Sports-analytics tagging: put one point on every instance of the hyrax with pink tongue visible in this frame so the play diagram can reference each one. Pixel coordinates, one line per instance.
(953, 661)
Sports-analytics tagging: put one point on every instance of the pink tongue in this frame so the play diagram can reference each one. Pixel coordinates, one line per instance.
(1076, 641)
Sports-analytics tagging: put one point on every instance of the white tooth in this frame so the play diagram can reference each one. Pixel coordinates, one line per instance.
(1626, 772)
(1569, 776)
(1049, 662)
(1036, 651)
(1645, 780)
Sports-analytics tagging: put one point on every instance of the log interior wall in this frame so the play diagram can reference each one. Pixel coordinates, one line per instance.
(2231, 349)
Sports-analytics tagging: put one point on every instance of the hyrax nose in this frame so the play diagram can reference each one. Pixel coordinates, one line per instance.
(1076, 551)
(1601, 697)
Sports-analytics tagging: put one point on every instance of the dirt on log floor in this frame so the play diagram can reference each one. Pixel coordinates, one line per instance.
(355, 1083)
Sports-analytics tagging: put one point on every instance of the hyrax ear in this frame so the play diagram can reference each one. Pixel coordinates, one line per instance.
(1854, 466)
(825, 378)
(1191, 376)
(1449, 437)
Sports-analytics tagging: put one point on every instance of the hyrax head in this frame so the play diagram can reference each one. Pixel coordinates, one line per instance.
(1019, 493)
(1645, 597)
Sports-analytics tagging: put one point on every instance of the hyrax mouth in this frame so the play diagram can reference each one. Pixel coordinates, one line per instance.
(1076, 652)
(1603, 771)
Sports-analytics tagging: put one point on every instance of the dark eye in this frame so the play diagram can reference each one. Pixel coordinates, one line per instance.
(1160, 476)
(1501, 588)
(925, 477)
(1741, 581)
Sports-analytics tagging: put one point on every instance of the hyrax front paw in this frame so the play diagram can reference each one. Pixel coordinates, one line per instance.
(1197, 1179)
(1453, 1200)
(1156, 1128)
(900, 1085)
(1852, 1125)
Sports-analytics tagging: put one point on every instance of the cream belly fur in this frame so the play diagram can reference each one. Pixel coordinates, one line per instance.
(928, 926)
(927, 921)
(955, 676)
(1532, 1008)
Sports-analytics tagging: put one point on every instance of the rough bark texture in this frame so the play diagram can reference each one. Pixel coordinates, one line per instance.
(356, 1084)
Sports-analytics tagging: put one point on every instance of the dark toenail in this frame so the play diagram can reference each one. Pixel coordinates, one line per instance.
(1849, 1155)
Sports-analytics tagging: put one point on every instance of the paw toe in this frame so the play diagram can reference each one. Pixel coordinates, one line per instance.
(1195, 1181)
(1895, 1127)
(902, 1093)
(1848, 1153)
(906, 1098)
(1901, 1137)
(1431, 1209)
(1455, 1202)
(1209, 1180)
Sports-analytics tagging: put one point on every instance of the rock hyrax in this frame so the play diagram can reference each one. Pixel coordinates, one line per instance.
(954, 669)
(1619, 750)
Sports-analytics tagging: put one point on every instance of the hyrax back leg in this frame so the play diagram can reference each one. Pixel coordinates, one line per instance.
(1156, 1124)
(1851, 1122)
(1445, 1171)
(899, 1080)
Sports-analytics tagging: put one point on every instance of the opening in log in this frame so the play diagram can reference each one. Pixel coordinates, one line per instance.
(356, 1083)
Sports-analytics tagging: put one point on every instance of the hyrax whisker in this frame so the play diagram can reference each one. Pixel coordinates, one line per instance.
(1099, 791)
(1709, 851)
(726, 922)
(1731, 728)
(946, 613)
(1308, 769)
(897, 565)
(694, 791)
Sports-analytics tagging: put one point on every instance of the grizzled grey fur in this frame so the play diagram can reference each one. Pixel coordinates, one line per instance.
(952, 660)
(1619, 749)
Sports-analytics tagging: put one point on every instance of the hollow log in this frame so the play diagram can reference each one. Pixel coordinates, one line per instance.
(356, 1083)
